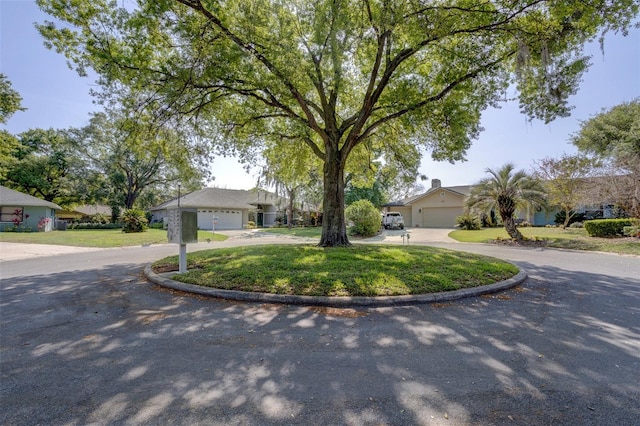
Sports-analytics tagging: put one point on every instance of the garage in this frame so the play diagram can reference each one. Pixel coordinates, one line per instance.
(440, 217)
(227, 219)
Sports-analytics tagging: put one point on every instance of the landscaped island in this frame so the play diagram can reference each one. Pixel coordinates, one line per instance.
(360, 270)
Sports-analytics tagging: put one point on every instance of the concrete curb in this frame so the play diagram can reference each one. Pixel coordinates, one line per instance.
(336, 302)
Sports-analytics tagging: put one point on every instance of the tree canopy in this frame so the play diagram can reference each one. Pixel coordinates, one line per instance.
(10, 102)
(46, 164)
(138, 157)
(10, 99)
(614, 136)
(340, 77)
(565, 181)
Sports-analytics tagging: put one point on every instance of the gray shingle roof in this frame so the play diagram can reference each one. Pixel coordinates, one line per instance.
(224, 198)
(461, 189)
(10, 197)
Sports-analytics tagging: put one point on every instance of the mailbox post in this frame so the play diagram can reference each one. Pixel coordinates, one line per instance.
(182, 229)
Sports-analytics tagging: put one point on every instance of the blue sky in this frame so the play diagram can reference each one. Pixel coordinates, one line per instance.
(57, 97)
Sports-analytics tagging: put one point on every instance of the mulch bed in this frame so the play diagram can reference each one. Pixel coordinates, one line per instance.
(521, 243)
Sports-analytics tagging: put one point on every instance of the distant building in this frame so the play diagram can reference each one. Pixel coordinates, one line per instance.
(232, 208)
(23, 211)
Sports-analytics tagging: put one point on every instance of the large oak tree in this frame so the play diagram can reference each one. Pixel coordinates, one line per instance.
(338, 76)
(139, 158)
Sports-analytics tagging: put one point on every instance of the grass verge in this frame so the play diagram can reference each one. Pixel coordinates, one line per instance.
(308, 232)
(98, 237)
(361, 270)
(571, 238)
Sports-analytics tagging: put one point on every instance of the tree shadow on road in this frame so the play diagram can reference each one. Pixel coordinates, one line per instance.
(105, 346)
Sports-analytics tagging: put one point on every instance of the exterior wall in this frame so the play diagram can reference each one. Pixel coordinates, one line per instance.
(67, 215)
(448, 204)
(270, 214)
(543, 218)
(35, 215)
(158, 216)
(227, 218)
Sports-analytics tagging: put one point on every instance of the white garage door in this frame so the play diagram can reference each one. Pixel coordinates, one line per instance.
(227, 219)
(440, 217)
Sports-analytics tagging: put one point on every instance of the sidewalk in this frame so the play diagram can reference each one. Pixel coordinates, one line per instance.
(17, 251)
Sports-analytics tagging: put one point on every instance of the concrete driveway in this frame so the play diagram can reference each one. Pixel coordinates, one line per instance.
(86, 340)
(416, 236)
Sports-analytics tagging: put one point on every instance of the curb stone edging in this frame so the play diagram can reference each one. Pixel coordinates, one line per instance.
(338, 301)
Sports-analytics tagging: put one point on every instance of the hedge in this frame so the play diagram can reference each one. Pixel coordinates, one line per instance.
(606, 227)
(81, 226)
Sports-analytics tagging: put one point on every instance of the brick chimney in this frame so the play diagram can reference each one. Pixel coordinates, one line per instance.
(435, 183)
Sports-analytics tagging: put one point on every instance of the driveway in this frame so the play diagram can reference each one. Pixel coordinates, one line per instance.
(416, 236)
(86, 340)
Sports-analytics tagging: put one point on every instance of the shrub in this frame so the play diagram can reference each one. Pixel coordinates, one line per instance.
(633, 230)
(606, 227)
(156, 225)
(251, 224)
(577, 225)
(100, 218)
(133, 221)
(468, 221)
(365, 217)
(81, 226)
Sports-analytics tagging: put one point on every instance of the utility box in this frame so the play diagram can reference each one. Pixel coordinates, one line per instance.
(182, 226)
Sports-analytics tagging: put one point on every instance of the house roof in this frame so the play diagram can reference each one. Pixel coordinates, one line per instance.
(462, 190)
(10, 197)
(89, 210)
(223, 198)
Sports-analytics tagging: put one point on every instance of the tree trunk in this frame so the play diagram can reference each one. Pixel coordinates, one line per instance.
(334, 229)
(512, 230)
(507, 207)
(290, 208)
(567, 218)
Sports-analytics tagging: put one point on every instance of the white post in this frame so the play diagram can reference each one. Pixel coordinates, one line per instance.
(183, 259)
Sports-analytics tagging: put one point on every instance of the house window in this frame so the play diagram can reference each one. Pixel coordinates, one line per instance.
(11, 214)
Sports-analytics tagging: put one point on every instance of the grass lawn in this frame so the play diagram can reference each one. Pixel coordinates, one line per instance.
(361, 270)
(571, 238)
(98, 237)
(309, 232)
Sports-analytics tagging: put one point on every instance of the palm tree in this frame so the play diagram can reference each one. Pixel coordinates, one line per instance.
(505, 192)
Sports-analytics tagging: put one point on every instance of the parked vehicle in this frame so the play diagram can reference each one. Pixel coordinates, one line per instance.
(392, 220)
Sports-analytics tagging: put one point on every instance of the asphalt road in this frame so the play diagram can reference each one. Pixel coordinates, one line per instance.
(86, 340)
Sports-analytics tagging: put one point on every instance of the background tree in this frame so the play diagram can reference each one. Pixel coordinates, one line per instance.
(138, 157)
(505, 192)
(46, 164)
(613, 136)
(338, 75)
(565, 181)
(10, 102)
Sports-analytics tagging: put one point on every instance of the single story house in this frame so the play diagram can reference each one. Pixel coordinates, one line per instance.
(231, 208)
(25, 211)
(440, 205)
(83, 212)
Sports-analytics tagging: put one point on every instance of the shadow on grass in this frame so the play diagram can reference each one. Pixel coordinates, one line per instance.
(104, 346)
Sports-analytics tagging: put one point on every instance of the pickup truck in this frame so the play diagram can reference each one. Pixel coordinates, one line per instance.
(392, 220)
